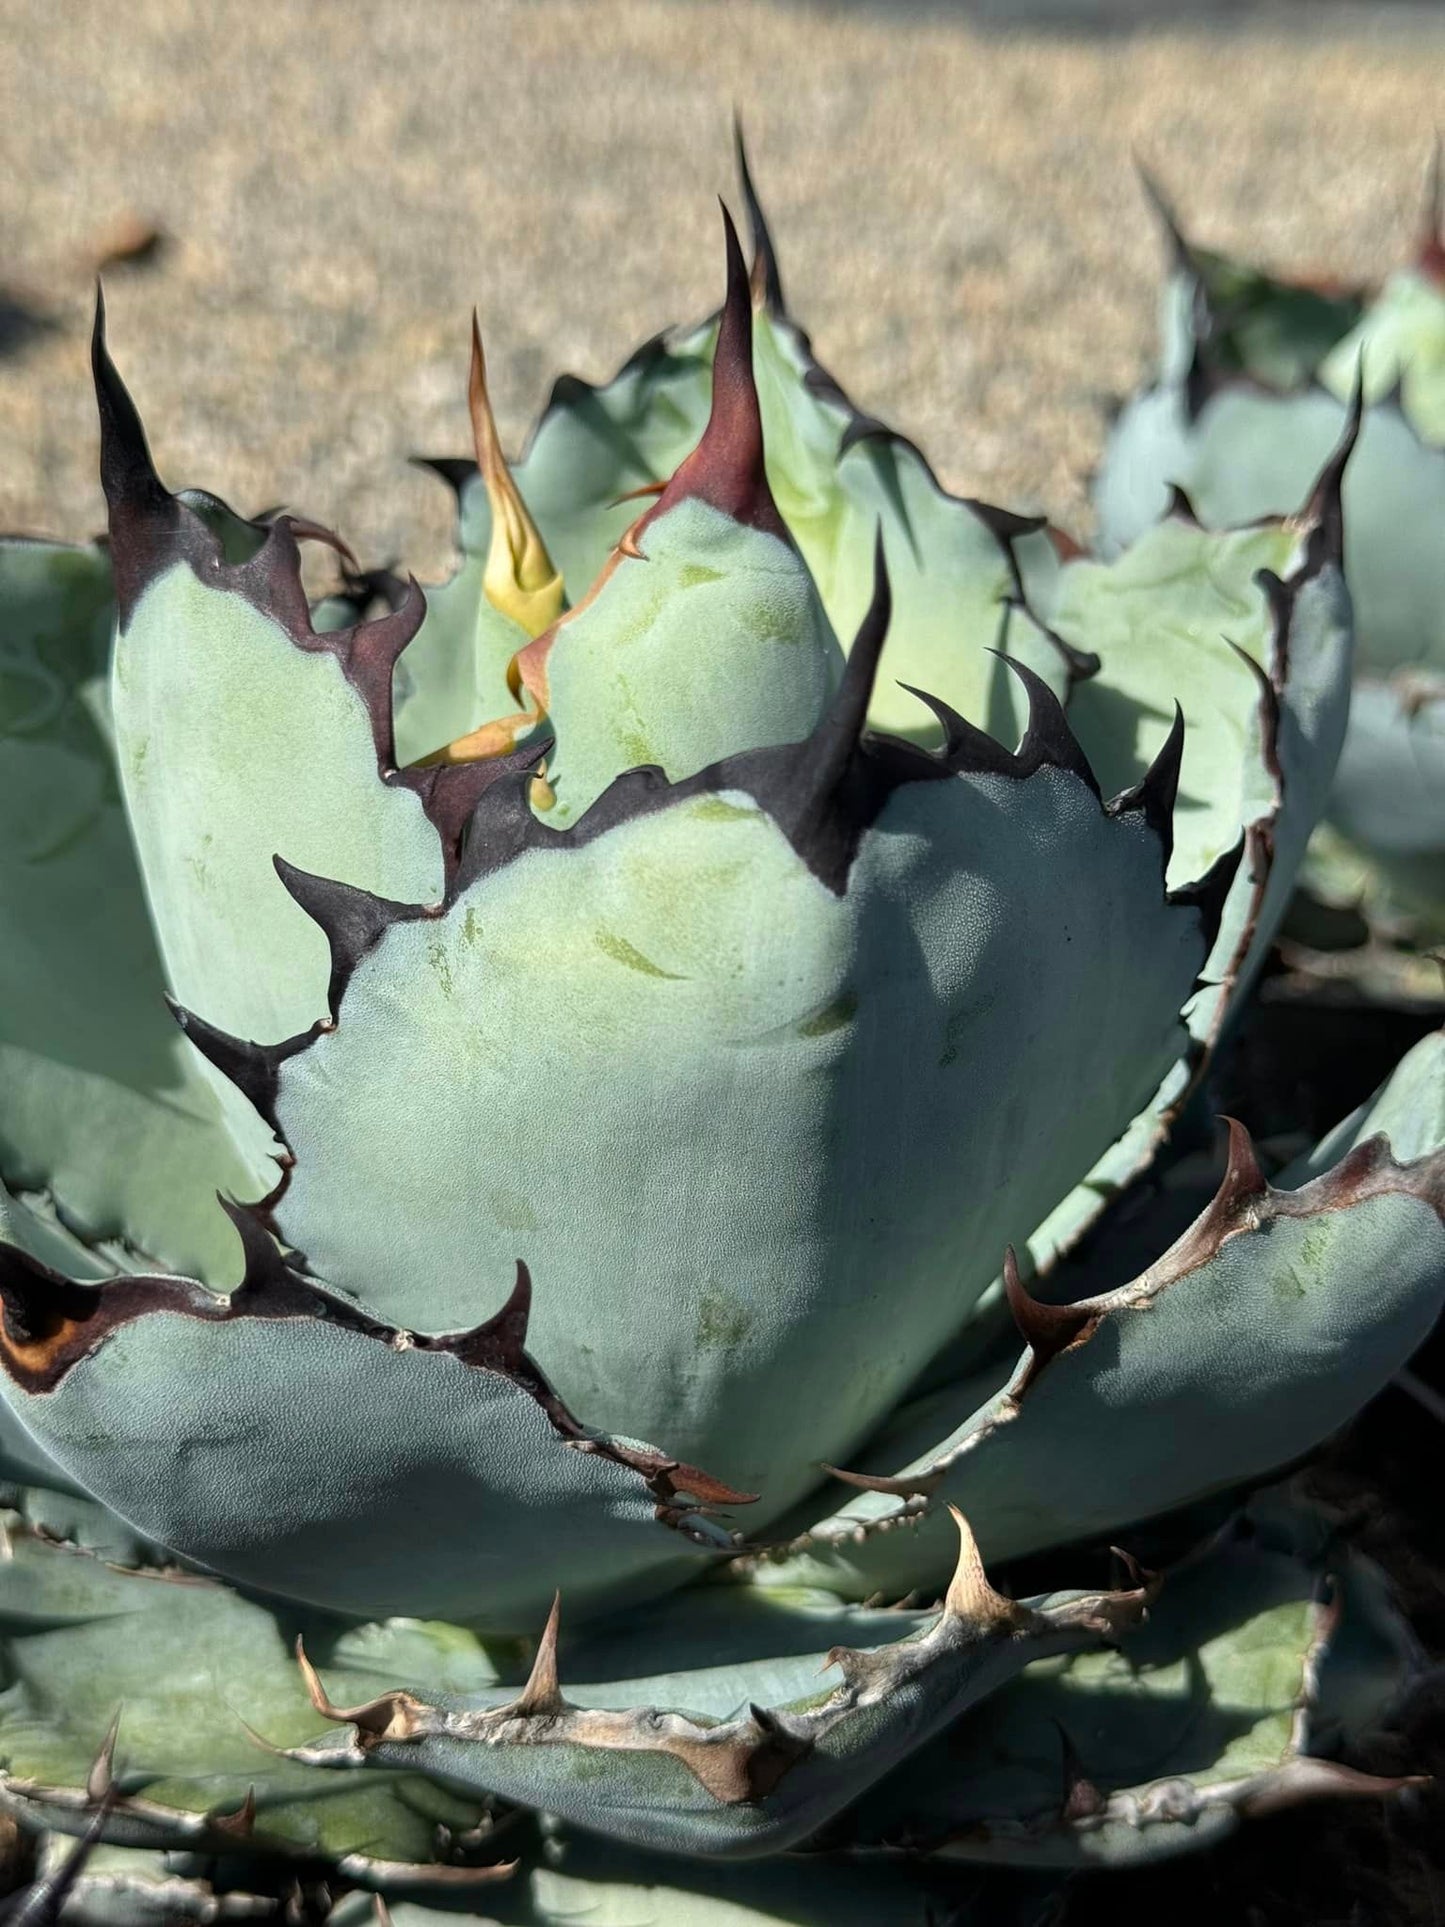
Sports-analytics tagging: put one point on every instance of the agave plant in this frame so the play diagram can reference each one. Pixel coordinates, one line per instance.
(663, 1021)
(1255, 378)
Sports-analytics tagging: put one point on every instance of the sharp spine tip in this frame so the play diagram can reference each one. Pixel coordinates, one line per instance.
(100, 1780)
(1243, 1178)
(542, 1695)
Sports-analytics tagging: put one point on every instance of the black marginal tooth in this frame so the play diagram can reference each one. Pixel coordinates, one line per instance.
(352, 920)
(267, 1282)
(254, 1069)
(968, 750)
(1004, 523)
(865, 428)
(767, 283)
(1323, 512)
(1157, 791)
(1049, 739)
(814, 807)
(501, 823)
(1180, 508)
(1209, 894)
(500, 1345)
(1201, 383)
(823, 792)
(455, 470)
(1268, 694)
(371, 651)
(957, 732)
(836, 737)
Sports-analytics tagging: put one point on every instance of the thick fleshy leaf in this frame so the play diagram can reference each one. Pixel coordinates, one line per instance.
(134, 1887)
(1385, 845)
(102, 1103)
(658, 1763)
(188, 1666)
(1240, 435)
(1250, 632)
(1264, 1651)
(1398, 345)
(1250, 453)
(242, 732)
(586, 1883)
(839, 478)
(1260, 1331)
(703, 635)
(443, 1477)
(817, 1083)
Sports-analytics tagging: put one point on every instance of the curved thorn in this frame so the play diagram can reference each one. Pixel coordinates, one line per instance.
(765, 282)
(352, 920)
(1049, 737)
(305, 530)
(500, 1344)
(848, 712)
(139, 505)
(254, 1069)
(917, 1485)
(542, 1696)
(1323, 514)
(958, 733)
(1046, 1329)
(970, 1597)
(1242, 1178)
(239, 1825)
(100, 1780)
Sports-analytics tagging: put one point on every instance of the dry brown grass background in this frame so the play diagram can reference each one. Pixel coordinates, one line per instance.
(957, 213)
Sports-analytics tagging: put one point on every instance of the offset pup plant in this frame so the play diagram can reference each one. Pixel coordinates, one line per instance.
(662, 1011)
(1254, 381)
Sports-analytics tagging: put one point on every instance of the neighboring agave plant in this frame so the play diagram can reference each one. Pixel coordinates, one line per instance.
(777, 922)
(1255, 378)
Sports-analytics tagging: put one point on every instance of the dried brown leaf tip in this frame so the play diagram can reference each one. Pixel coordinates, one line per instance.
(390, 1717)
(542, 1696)
(971, 1598)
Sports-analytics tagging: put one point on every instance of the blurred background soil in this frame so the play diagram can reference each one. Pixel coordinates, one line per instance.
(296, 203)
(300, 200)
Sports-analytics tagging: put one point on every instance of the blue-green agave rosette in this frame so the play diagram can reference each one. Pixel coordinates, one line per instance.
(1255, 377)
(658, 1011)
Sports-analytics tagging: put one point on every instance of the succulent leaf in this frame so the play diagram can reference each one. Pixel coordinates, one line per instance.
(195, 1672)
(241, 732)
(586, 1880)
(1261, 1653)
(1343, 1268)
(101, 1102)
(1239, 430)
(625, 679)
(752, 1781)
(635, 940)
(469, 1490)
